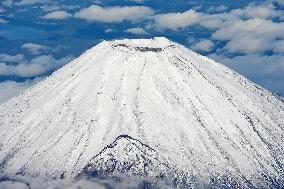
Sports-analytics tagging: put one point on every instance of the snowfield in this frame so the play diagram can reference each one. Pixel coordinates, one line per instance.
(178, 115)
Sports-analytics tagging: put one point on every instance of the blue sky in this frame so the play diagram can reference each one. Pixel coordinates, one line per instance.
(39, 36)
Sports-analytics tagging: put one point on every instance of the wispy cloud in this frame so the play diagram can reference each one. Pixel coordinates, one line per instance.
(137, 1)
(11, 58)
(114, 14)
(37, 66)
(215, 9)
(57, 15)
(31, 2)
(2, 21)
(137, 31)
(176, 21)
(203, 45)
(9, 89)
(35, 49)
(7, 3)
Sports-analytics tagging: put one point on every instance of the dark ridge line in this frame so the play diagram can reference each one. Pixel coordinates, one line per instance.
(144, 49)
(129, 137)
(112, 145)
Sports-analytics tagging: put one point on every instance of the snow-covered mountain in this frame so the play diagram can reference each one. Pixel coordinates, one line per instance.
(147, 107)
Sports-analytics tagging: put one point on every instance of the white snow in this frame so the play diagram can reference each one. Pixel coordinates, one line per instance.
(202, 117)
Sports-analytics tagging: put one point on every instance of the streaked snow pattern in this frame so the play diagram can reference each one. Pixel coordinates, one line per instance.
(201, 118)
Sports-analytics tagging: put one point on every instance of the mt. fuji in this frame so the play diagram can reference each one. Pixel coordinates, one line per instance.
(146, 107)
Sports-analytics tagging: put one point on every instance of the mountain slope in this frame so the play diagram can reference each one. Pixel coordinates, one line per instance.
(130, 157)
(204, 119)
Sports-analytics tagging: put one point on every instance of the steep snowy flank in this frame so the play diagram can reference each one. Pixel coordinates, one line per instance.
(204, 120)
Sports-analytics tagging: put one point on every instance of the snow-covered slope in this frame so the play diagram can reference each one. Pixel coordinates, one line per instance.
(201, 118)
(130, 157)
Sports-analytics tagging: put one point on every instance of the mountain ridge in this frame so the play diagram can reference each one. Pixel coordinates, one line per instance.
(207, 119)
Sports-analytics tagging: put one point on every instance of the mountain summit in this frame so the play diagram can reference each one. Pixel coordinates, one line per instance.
(146, 107)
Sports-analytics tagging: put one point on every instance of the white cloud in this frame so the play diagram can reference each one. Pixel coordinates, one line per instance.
(221, 8)
(137, 1)
(7, 3)
(37, 66)
(31, 2)
(70, 7)
(2, 10)
(259, 28)
(254, 42)
(49, 8)
(253, 32)
(137, 31)
(251, 36)
(57, 15)
(181, 20)
(57, 7)
(35, 49)
(2, 21)
(114, 14)
(197, 7)
(11, 58)
(98, 2)
(176, 21)
(9, 89)
(190, 40)
(247, 44)
(265, 10)
(110, 30)
(203, 45)
(266, 70)
(280, 2)
(279, 46)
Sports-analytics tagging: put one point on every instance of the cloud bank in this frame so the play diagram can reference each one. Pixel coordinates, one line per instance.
(57, 15)
(115, 14)
(37, 66)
